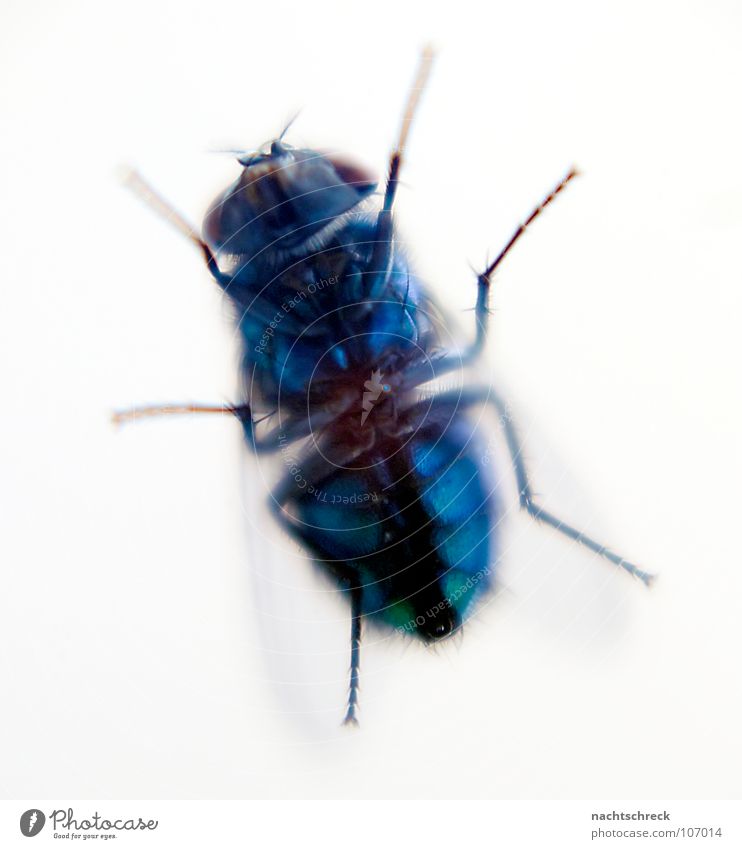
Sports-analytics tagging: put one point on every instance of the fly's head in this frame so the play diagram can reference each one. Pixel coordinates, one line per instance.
(286, 200)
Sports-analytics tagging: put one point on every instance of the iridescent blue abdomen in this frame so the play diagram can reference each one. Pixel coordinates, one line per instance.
(411, 521)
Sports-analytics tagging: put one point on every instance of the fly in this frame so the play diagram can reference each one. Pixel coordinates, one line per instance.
(385, 485)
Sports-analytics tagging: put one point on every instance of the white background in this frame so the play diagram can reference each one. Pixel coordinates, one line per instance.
(158, 638)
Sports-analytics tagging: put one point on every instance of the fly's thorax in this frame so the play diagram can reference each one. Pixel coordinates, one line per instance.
(367, 401)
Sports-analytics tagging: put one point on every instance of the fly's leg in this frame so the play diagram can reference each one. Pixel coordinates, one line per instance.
(356, 600)
(381, 257)
(270, 442)
(460, 401)
(528, 502)
(311, 465)
(484, 280)
(458, 360)
(132, 414)
(152, 198)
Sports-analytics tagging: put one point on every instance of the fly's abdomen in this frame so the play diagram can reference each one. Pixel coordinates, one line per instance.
(411, 525)
(459, 497)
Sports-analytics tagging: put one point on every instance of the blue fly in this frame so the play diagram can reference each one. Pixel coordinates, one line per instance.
(386, 489)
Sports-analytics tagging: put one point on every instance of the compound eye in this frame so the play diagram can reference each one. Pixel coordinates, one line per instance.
(362, 180)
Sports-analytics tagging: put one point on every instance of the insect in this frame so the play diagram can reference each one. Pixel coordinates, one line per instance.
(385, 489)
